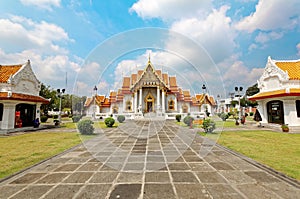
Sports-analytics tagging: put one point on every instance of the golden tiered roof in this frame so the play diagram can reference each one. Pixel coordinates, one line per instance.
(292, 68)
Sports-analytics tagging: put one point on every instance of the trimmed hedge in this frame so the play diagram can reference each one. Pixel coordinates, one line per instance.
(188, 120)
(109, 122)
(121, 118)
(178, 118)
(44, 118)
(85, 127)
(208, 125)
(76, 118)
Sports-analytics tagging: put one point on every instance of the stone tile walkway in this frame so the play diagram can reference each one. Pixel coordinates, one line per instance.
(148, 159)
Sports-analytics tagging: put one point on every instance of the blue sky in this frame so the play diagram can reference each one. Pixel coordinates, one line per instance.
(220, 44)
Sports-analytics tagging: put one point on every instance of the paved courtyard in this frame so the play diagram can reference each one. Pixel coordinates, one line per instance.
(149, 159)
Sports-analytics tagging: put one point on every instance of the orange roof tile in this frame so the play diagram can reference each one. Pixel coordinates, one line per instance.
(133, 78)
(292, 68)
(88, 101)
(173, 81)
(106, 103)
(100, 98)
(23, 97)
(186, 94)
(7, 71)
(158, 72)
(277, 93)
(126, 82)
(140, 72)
(165, 78)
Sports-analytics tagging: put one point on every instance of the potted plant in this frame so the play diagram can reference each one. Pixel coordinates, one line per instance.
(285, 128)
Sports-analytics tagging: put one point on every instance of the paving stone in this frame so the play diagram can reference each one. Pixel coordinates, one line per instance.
(91, 166)
(28, 178)
(221, 166)
(192, 158)
(103, 177)
(63, 191)
(255, 191)
(98, 191)
(201, 166)
(157, 177)
(128, 177)
(78, 177)
(183, 177)
(156, 166)
(179, 166)
(261, 176)
(196, 191)
(221, 191)
(210, 177)
(8, 190)
(67, 167)
(53, 178)
(132, 191)
(134, 167)
(237, 177)
(45, 168)
(159, 191)
(32, 192)
(282, 189)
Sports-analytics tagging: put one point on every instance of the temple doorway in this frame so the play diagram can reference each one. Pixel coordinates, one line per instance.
(149, 100)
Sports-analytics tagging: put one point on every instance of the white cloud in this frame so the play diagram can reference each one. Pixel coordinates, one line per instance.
(237, 74)
(271, 15)
(42, 4)
(266, 37)
(170, 9)
(214, 32)
(50, 70)
(298, 48)
(22, 33)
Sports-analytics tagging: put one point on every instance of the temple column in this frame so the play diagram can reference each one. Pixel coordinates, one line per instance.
(158, 99)
(175, 104)
(124, 105)
(140, 100)
(135, 102)
(163, 101)
(8, 120)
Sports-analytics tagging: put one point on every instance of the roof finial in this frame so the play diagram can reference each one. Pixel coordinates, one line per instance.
(149, 58)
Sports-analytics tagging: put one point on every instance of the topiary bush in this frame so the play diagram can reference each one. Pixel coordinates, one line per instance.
(188, 120)
(224, 116)
(44, 118)
(85, 127)
(75, 118)
(55, 116)
(121, 118)
(251, 113)
(208, 125)
(178, 118)
(109, 122)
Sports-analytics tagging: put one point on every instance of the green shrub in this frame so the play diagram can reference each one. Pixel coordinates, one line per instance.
(251, 113)
(44, 118)
(121, 118)
(76, 118)
(55, 116)
(188, 120)
(178, 118)
(208, 125)
(224, 116)
(85, 127)
(109, 122)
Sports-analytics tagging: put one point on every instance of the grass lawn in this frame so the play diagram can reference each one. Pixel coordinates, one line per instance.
(21, 151)
(280, 151)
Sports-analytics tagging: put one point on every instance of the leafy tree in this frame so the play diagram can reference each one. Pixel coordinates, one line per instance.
(48, 93)
(252, 90)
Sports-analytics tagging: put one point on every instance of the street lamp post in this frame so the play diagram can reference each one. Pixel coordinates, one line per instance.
(94, 114)
(59, 94)
(204, 92)
(239, 89)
